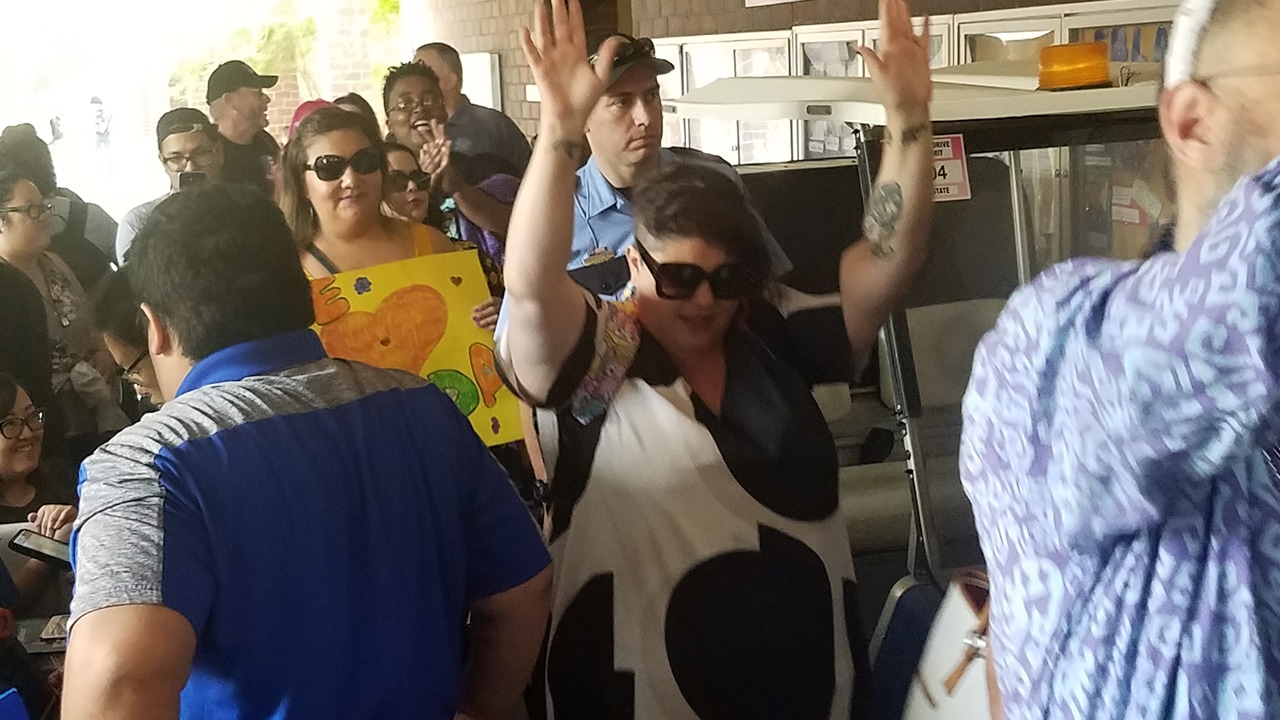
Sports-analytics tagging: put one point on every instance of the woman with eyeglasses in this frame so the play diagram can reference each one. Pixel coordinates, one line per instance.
(82, 369)
(417, 118)
(31, 492)
(702, 567)
(123, 327)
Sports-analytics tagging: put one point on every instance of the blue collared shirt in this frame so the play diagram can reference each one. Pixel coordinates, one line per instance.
(604, 224)
(323, 526)
(476, 130)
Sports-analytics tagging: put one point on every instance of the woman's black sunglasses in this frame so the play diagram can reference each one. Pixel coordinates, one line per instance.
(680, 281)
(397, 181)
(331, 167)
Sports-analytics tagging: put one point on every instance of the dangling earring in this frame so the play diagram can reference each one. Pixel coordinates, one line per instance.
(628, 291)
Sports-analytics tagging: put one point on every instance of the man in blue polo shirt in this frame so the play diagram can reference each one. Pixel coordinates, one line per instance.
(625, 136)
(291, 536)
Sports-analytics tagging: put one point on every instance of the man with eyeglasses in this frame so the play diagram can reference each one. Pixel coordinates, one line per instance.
(1122, 420)
(238, 105)
(284, 538)
(190, 151)
(417, 118)
(624, 133)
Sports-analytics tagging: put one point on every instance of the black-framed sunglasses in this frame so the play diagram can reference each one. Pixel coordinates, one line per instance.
(11, 428)
(629, 49)
(35, 211)
(680, 281)
(398, 181)
(331, 167)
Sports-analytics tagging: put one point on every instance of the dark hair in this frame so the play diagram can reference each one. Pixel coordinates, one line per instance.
(358, 100)
(22, 150)
(9, 179)
(694, 199)
(400, 72)
(297, 208)
(116, 312)
(448, 54)
(218, 265)
(8, 393)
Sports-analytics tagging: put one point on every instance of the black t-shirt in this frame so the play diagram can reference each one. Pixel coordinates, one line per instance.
(54, 486)
(249, 164)
(24, 349)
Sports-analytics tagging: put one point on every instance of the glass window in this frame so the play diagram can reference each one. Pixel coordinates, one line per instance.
(938, 55)
(763, 141)
(1117, 197)
(671, 87)
(738, 142)
(704, 64)
(1007, 45)
(1142, 42)
(829, 58)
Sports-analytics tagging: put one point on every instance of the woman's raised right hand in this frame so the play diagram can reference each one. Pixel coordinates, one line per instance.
(568, 83)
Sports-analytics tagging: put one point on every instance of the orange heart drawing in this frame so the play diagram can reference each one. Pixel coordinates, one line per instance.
(401, 334)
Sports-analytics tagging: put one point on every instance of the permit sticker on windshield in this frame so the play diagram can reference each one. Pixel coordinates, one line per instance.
(950, 169)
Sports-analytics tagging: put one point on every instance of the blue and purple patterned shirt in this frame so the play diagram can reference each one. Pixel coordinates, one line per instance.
(1113, 443)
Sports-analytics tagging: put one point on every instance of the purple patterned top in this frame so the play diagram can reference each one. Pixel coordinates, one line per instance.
(502, 188)
(1112, 451)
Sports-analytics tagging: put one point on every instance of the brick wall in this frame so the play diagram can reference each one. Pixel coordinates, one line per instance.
(352, 54)
(349, 54)
(285, 98)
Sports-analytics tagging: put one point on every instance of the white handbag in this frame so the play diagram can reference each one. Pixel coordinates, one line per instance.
(951, 681)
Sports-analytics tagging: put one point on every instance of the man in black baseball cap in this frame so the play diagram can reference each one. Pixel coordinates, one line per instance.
(239, 107)
(191, 150)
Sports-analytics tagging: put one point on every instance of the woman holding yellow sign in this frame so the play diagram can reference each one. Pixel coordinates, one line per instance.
(334, 174)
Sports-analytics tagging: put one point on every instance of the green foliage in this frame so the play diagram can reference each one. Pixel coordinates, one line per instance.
(281, 47)
(385, 13)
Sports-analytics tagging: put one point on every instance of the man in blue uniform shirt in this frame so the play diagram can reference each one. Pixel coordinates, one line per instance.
(625, 135)
(291, 536)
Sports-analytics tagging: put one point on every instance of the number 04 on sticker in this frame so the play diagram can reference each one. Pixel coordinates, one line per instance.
(950, 169)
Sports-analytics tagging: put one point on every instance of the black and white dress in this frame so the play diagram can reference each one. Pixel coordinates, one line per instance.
(701, 567)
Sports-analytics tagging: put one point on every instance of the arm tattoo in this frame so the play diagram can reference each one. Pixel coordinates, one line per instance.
(910, 134)
(880, 223)
(575, 150)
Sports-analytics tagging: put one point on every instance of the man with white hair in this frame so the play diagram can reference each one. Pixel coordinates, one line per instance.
(1121, 427)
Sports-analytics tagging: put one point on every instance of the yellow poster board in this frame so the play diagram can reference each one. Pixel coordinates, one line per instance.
(415, 315)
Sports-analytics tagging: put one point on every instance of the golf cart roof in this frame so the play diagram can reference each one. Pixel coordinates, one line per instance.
(977, 91)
